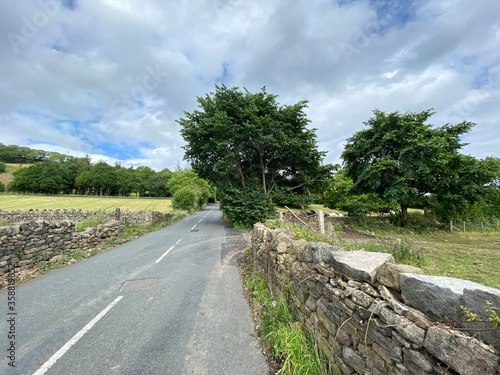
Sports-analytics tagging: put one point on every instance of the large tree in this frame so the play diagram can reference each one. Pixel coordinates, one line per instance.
(238, 139)
(401, 158)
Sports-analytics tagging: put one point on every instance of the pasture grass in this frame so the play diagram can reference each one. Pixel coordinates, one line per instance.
(473, 255)
(470, 255)
(89, 203)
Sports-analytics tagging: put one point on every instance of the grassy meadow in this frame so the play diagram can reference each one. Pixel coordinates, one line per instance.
(472, 255)
(26, 202)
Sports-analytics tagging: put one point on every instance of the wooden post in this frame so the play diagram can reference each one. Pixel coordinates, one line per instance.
(451, 225)
(321, 218)
(329, 229)
(464, 226)
(482, 227)
(117, 214)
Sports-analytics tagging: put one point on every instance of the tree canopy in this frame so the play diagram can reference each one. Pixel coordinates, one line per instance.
(402, 159)
(243, 140)
(63, 174)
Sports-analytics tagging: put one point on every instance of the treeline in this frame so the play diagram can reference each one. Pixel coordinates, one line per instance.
(64, 174)
(24, 155)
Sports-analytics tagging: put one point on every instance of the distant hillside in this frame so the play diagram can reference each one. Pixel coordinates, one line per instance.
(8, 175)
(24, 155)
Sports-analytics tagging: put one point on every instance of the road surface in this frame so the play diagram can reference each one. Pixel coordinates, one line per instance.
(169, 302)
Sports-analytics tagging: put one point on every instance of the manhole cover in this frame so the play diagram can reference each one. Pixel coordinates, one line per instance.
(138, 284)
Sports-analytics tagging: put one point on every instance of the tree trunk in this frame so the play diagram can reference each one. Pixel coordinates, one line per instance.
(263, 168)
(242, 176)
(404, 213)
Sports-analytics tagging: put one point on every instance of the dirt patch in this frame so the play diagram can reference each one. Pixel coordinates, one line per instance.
(351, 234)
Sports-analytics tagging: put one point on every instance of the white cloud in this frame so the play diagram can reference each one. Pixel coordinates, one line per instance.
(110, 77)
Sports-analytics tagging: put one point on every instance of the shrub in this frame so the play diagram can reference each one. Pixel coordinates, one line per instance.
(3, 167)
(244, 208)
(185, 199)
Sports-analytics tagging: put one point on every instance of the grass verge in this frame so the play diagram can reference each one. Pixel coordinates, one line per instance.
(293, 352)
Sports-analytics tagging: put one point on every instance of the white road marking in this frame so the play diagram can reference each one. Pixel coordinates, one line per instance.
(52, 360)
(166, 252)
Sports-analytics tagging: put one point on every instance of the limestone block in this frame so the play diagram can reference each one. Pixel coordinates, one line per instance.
(325, 269)
(418, 318)
(437, 296)
(297, 246)
(404, 326)
(420, 358)
(360, 265)
(388, 274)
(476, 301)
(361, 298)
(354, 360)
(464, 354)
(317, 252)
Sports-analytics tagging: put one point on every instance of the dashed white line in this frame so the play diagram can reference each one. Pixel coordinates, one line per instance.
(52, 360)
(166, 252)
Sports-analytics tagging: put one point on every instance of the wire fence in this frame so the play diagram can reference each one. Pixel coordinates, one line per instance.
(474, 226)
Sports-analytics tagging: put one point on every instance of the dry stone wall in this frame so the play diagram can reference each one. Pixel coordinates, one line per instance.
(136, 217)
(47, 235)
(372, 316)
(25, 245)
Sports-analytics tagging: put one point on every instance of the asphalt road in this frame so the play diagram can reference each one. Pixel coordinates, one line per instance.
(185, 315)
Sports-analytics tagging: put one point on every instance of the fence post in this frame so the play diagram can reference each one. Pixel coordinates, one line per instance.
(451, 225)
(464, 226)
(329, 229)
(482, 227)
(321, 219)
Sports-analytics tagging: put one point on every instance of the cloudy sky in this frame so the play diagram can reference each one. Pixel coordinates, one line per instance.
(109, 78)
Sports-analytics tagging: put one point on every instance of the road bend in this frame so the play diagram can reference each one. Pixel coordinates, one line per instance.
(169, 302)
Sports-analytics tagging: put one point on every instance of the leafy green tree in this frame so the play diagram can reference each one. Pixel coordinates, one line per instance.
(124, 180)
(157, 183)
(103, 179)
(242, 140)
(247, 140)
(141, 179)
(245, 207)
(185, 198)
(401, 158)
(83, 182)
(339, 195)
(182, 179)
(470, 192)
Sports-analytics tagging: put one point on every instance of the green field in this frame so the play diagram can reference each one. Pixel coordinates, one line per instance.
(25, 202)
